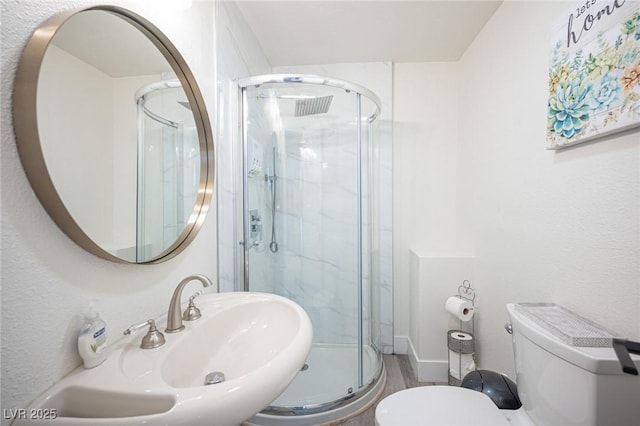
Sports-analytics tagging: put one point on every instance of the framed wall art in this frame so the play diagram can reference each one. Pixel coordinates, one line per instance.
(594, 72)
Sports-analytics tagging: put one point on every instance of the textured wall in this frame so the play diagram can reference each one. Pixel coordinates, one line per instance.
(46, 279)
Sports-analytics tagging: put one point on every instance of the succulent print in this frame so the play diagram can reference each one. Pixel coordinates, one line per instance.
(569, 107)
(596, 86)
(606, 92)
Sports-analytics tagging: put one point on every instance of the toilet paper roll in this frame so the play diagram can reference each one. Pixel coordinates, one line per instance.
(460, 364)
(459, 308)
(461, 342)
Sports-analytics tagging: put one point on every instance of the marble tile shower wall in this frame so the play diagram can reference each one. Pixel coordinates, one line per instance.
(377, 77)
(318, 223)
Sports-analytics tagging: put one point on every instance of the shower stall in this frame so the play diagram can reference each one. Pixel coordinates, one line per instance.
(311, 230)
(168, 167)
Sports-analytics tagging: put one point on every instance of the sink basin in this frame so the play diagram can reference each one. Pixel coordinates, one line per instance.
(257, 341)
(236, 342)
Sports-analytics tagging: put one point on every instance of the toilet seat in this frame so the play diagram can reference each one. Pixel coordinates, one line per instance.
(438, 405)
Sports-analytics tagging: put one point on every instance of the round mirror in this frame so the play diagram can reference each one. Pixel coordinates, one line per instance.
(113, 134)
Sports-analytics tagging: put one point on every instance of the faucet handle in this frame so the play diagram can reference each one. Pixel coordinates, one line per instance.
(152, 339)
(192, 313)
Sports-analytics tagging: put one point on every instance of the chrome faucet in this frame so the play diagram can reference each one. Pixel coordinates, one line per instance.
(174, 316)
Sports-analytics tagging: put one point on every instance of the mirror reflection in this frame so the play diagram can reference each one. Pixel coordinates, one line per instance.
(118, 136)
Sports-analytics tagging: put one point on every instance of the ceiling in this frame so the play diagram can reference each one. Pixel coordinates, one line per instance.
(303, 32)
(111, 44)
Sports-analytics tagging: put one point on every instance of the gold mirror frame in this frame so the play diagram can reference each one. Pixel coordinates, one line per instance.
(30, 148)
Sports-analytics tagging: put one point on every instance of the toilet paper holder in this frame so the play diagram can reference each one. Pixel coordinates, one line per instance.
(466, 292)
(461, 342)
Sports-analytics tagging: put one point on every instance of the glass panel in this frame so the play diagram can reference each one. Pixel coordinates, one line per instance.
(169, 169)
(375, 229)
(371, 357)
(301, 152)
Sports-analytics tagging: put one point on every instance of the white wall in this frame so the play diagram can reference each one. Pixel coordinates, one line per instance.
(47, 280)
(64, 76)
(107, 156)
(555, 226)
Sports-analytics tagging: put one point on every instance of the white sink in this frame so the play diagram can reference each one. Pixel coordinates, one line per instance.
(258, 341)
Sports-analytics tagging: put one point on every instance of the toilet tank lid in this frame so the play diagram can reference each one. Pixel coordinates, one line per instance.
(568, 326)
(561, 331)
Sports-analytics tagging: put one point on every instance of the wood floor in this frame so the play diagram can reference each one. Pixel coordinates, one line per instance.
(400, 376)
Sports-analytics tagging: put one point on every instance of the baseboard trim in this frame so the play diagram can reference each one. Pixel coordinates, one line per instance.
(400, 345)
(427, 370)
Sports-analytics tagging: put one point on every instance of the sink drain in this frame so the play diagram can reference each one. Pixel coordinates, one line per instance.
(213, 378)
(305, 367)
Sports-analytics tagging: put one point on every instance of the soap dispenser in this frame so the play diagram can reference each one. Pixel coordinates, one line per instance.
(92, 341)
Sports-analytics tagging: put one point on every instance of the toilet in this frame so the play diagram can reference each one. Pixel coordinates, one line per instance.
(558, 384)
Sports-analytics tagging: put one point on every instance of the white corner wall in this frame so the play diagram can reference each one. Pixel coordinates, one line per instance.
(433, 280)
(472, 175)
(425, 128)
(47, 281)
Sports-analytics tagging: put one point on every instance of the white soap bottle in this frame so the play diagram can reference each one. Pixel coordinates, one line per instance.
(92, 341)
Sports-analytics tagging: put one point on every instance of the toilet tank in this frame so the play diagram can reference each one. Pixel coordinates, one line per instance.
(560, 383)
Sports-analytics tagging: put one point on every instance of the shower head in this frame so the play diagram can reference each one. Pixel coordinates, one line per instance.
(311, 106)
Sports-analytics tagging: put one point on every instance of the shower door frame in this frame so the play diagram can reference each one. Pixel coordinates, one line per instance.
(359, 91)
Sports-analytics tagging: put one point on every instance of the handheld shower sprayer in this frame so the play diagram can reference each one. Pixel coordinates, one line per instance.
(273, 245)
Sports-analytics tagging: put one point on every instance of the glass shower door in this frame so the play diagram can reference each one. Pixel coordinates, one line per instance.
(303, 239)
